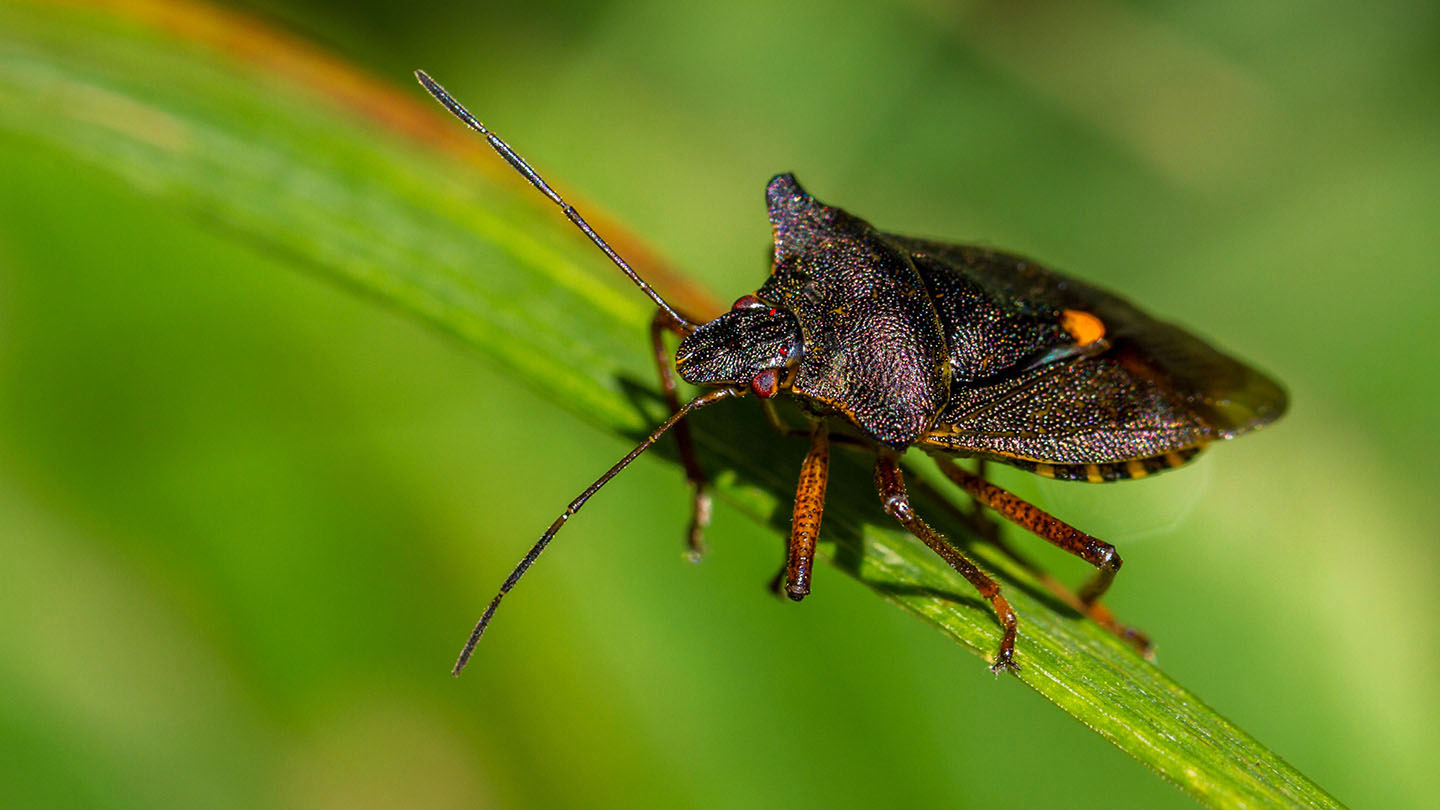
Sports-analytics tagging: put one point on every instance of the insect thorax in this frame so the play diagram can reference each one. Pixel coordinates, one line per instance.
(873, 347)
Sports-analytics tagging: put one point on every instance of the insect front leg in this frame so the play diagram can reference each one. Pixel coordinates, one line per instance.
(701, 504)
(809, 507)
(890, 483)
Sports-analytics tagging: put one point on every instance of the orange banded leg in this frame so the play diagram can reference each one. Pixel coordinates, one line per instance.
(1097, 612)
(809, 506)
(1062, 535)
(891, 485)
(701, 506)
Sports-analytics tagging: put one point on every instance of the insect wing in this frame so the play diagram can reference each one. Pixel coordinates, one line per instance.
(1157, 388)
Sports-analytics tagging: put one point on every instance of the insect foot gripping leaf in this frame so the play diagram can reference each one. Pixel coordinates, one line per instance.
(889, 342)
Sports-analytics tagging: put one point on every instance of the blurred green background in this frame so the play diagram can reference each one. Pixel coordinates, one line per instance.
(246, 517)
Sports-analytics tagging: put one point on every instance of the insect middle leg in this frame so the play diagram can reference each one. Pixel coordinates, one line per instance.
(890, 483)
(702, 505)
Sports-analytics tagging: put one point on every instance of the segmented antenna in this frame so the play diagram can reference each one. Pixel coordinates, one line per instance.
(519, 164)
(707, 398)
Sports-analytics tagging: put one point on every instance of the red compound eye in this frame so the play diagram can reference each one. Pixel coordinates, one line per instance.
(766, 384)
(747, 302)
(784, 351)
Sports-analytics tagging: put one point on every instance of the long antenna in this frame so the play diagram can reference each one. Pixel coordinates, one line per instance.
(459, 111)
(701, 401)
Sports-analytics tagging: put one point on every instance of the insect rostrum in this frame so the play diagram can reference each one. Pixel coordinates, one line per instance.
(888, 343)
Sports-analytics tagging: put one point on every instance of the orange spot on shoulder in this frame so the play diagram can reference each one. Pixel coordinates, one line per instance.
(1082, 326)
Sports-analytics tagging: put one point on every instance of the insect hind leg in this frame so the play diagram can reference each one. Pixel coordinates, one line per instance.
(1098, 553)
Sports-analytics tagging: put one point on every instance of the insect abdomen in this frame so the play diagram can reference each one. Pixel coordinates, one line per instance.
(1110, 471)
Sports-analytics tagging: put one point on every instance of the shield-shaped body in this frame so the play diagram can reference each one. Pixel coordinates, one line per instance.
(980, 353)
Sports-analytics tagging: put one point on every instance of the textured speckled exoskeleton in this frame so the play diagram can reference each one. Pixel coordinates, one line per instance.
(889, 342)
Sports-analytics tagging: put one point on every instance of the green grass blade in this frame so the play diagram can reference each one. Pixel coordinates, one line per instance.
(371, 185)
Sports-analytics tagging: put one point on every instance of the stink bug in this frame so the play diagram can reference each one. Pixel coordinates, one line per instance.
(889, 342)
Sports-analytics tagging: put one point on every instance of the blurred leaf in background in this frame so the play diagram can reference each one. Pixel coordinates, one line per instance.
(246, 515)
